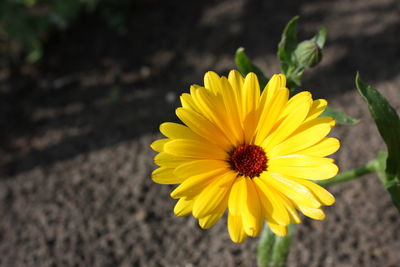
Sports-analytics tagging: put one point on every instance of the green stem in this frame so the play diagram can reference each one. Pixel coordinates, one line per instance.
(274, 250)
(351, 174)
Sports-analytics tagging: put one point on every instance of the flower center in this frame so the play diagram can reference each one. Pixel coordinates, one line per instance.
(248, 160)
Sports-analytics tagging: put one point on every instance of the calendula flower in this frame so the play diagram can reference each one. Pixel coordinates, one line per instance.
(251, 153)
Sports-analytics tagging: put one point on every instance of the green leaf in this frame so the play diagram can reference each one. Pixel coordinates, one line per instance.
(288, 44)
(35, 52)
(391, 185)
(340, 117)
(245, 66)
(273, 250)
(381, 165)
(388, 123)
(320, 37)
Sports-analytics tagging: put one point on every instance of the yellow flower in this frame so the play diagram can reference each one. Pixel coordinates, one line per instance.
(255, 154)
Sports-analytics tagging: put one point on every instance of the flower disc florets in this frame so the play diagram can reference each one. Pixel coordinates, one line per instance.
(248, 160)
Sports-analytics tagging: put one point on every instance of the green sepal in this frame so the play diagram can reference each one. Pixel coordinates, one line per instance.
(320, 37)
(388, 123)
(245, 66)
(294, 76)
(308, 54)
(273, 250)
(340, 117)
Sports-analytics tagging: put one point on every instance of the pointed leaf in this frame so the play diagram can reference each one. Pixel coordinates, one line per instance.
(245, 66)
(340, 117)
(388, 123)
(288, 44)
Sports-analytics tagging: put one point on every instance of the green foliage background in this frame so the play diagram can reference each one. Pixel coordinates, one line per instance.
(25, 24)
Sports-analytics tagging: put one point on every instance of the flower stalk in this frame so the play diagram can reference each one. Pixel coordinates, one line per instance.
(352, 174)
(273, 250)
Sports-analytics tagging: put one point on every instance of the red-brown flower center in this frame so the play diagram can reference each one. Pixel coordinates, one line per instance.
(248, 160)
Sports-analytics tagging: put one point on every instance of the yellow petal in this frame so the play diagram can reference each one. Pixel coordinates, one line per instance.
(323, 148)
(178, 131)
(235, 228)
(279, 230)
(208, 221)
(250, 124)
(165, 175)
(270, 113)
(291, 208)
(194, 149)
(295, 191)
(197, 167)
(278, 211)
(283, 201)
(321, 172)
(167, 160)
(158, 145)
(203, 127)
(236, 80)
(237, 195)
(277, 81)
(320, 193)
(204, 101)
(213, 109)
(265, 205)
(212, 82)
(298, 161)
(316, 121)
(188, 103)
(301, 140)
(316, 109)
(231, 106)
(213, 195)
(251, 93)
(195, 184)
(316, 214)
(184, 206)
(295, 101)
(211, 219)
(252, 216)
(288, 124)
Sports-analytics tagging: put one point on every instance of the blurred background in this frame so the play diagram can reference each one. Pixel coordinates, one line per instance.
(84, 85)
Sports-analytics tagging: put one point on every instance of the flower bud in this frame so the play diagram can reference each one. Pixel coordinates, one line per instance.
(308, 54)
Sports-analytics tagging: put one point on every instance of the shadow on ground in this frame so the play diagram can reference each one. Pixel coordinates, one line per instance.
(113, 85)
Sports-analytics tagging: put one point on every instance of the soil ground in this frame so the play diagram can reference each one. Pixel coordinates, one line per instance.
(75, 187)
